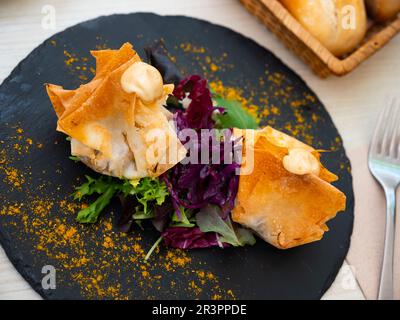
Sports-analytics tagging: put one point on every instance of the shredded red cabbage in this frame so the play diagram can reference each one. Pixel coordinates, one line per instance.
(189, 238)
(194, 186)
(199, 113)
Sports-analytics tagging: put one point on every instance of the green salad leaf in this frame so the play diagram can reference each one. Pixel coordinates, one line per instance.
(98, 186)
(209, 220)
(140, 215)
(146, 191)
(150, 190)
(186, 219)
(74, 158)
(235, 116)
(92, 212)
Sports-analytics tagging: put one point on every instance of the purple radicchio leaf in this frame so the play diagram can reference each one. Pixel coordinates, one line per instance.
(125, 219)
(163, 214)
(189, 238)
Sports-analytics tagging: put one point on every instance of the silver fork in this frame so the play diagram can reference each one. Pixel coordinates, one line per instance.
(384, 164)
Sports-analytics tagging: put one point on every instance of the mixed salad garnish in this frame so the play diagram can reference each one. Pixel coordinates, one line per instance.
(189, 204)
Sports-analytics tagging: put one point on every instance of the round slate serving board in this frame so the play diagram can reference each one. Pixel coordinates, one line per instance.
(37, 226)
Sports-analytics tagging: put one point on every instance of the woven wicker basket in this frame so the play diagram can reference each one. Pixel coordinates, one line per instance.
(309, 49)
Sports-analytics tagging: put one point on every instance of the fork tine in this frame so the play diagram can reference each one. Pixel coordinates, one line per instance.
(398, 144)
(378, 136)
(394, 143)
(389, 125)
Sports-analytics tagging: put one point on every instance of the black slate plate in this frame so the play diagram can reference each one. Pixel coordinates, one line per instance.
(37, 225)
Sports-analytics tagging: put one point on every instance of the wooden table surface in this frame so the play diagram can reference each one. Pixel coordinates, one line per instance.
(352, 101)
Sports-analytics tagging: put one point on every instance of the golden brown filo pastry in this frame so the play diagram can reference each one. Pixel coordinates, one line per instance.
(328, 21)
(110, 127)
(382, 10)
(283, 208)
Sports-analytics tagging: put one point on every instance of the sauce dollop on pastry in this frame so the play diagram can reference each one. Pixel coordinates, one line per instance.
(144, 80)
(300, 161)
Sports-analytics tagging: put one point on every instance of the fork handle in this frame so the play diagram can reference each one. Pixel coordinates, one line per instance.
(386, 282)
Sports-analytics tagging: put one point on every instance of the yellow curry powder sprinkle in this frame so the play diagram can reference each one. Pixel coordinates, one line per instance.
(232, 93)
(21, 145)
(13, 176)
(11, 210)
(108, 243)
(189, 47)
